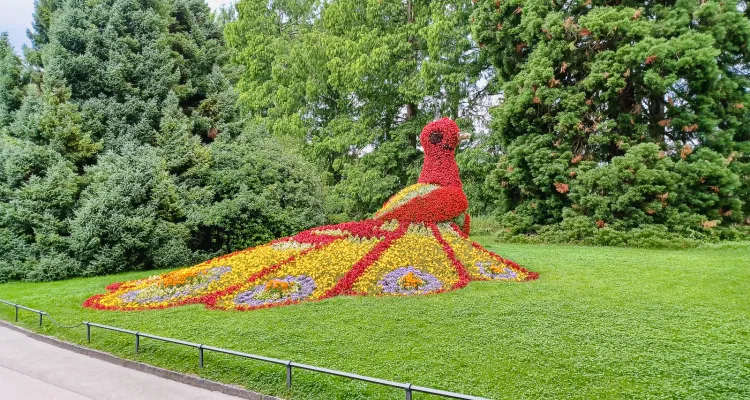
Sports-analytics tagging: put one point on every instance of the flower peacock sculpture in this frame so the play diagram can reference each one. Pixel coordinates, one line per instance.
(417, 243)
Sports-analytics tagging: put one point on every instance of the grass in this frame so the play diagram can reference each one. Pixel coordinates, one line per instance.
(600, 323)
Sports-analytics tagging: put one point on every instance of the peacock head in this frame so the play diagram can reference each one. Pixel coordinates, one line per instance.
(441, 137)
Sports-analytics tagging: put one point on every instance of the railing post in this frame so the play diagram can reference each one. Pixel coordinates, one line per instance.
(88, 331)
(408, 391)
(137, 342)
(288, 374)
(200, 355)
(41, 314)
(16, 312)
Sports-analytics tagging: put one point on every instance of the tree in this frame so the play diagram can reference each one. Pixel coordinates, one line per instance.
(47, 118)
(355, 82)
(11, 80)
(130, 215)
(38, 191)
(41, 20)
(107, 160)
(476, 165)
(587, 81)
(183, 152)
(122, 58)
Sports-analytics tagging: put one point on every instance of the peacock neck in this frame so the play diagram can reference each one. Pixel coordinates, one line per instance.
(440, 169)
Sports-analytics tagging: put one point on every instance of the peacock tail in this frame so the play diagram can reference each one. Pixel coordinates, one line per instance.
(370, 257)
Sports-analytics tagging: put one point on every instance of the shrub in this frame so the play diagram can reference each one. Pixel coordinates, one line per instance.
(129, 215)
(257, 189)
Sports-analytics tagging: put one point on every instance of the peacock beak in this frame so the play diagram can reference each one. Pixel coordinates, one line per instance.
(464, 136)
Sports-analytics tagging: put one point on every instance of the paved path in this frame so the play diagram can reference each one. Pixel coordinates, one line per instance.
(30, 369)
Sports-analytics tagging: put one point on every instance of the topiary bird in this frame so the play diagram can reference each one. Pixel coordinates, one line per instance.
(417, 243)
(438, 195)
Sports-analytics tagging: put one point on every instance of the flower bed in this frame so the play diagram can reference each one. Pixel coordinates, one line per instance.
(368, 258)
(412, 246)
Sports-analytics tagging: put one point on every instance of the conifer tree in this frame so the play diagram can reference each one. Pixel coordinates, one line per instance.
(587, 81)
(106, 156)
(11, 80)
(122, 58)
(49, 119)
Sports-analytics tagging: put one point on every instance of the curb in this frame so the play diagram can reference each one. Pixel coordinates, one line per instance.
(191, 380)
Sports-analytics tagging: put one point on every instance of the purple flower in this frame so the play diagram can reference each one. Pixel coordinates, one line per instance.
(392, 282)
(300, 288)
(485, 268)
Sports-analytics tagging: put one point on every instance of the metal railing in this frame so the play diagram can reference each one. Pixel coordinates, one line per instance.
(408, 388)
(18, 306)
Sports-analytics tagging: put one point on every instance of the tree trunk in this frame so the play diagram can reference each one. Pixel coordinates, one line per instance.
(411, 108)
(411, 113)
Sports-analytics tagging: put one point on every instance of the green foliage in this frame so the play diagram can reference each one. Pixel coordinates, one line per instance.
(129, 215)
(122, 58)
(639, 188)
(476, 164)
(587, 82)
(125, 145)
(40, 21)
(38, 190)
(11, 80)
(355, 82)
(642, 199)
(107, 153)
(257, 189)
(48, 119)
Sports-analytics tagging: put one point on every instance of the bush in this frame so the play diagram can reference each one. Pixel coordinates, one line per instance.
(603, 87)
(485, 225)
(257, 189)
(642, 199)
(648, 236)
(129, 215)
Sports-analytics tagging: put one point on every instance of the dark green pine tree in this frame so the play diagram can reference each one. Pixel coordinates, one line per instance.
(101, 73)
(589, 80)
(121, 59)
(12, 80)
(40, 21)
(107, 159)
(44, 151)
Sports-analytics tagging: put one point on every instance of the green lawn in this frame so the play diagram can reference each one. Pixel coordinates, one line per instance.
(599, 323)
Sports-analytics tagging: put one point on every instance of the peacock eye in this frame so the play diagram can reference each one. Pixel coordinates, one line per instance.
(436, 137)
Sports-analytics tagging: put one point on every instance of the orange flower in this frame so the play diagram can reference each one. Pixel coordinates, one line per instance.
(278, 285)
(411, 281)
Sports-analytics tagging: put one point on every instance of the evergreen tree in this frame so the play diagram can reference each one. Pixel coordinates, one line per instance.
(122, 58)
(11, 80)
(47, 118)
(38, 191)
(130, 215)
(40, 21)
(587, 81)
(45, 149)
(184, 154)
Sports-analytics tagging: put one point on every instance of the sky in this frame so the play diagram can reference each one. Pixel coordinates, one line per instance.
(15, 17)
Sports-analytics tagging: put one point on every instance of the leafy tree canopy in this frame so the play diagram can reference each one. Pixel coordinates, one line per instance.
(355, 82)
